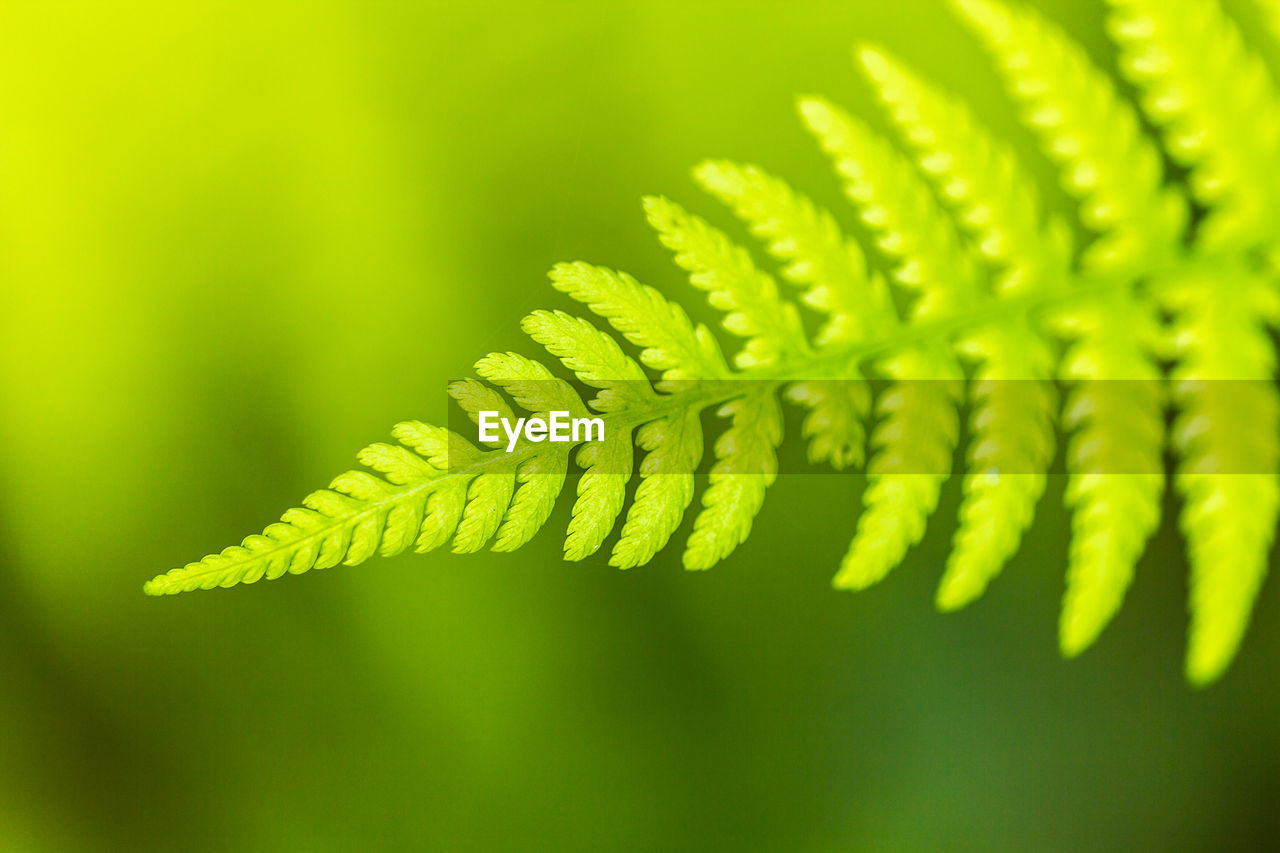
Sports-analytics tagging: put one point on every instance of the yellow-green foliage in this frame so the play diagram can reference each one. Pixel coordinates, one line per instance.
(989, 308)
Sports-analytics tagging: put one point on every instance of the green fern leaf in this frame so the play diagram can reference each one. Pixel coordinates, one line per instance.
(342, 523)
(673, 448)
(755, 310)
(598, 360)
(994, 199)
(896, 205)
(833, 269)
(1012, 422)
(1217, 104)
(1011, 448)
(1226, 365)
(473, 398)
(1115, 413)
(988, 304)
(488, 497)
(602, 493)
(914, 442)
(1115, 170)
(746, 465)
(818, 257)
(1090, 132)
(669, 342)
(835, 423)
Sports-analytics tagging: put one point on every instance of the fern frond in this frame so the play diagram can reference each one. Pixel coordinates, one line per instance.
(445, 501)
(594, 357)
(673, 447)
(914, 442)
(1217, 104)
(348, 520)
(474, 397)
(746, 465)
(602, 493)
(833, 271)
(1108, 163)
(994, 199)
(983, 282)
(597, 360)
(1012, 445)
(835, 423)
(806, 238)
(754, 309)
(1090, 132)
(911, 228)
(996, 203)
(1225, 368)
(1115, 414)
(895, 204)
(487, 498)
(668, 340)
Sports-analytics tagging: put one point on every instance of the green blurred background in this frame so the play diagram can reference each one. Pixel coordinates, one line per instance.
(239, 240)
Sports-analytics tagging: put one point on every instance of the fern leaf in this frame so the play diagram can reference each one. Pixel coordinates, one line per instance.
(444, 505)
(594, 357)
(398, 464)
(746, 465)
(1094, 136)
(996, 203)
(473, 398)
(591, 354)
(673, 448)
(834, 425)
(530, 383)
(1115, 414)
(954, 215)
(602, 493)
(834, 272)
(1228, 426)
(442, 516)
(1011, 448)
(488, 498)
(914, 443)
(754, 309)
(539, 480)
(806, 238)
(346, 522)
(994, 198)
(597, 360)
(896, 204)
(669, 341)
(1216, 102)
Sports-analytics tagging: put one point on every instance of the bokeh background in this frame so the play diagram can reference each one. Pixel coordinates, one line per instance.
(239, 240)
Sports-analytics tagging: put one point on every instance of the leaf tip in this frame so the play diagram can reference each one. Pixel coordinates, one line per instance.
(157, 586)
(813, 109)
(981, 12)
(1074, 637)
(953, 595)
(1207, 659)
(873, 60)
